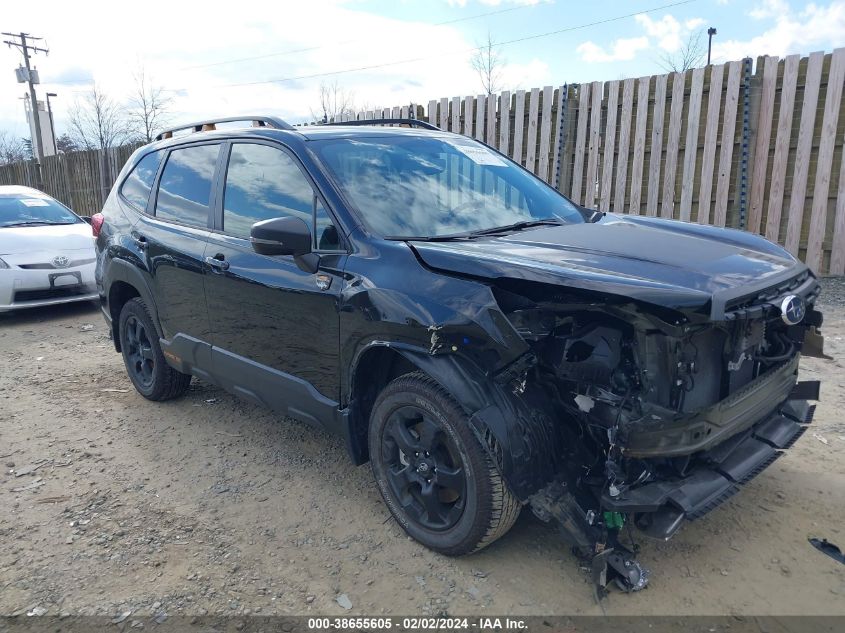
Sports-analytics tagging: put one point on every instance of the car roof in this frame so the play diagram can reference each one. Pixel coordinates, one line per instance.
(313, 132)
(305, 133)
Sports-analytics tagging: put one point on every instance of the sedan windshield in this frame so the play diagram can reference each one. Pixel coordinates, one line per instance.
(33, 210)
(433, 187)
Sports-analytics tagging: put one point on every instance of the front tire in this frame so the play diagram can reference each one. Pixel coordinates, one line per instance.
(152, 377)
(436, 478)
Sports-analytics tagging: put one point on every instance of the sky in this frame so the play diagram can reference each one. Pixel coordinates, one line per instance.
(260, 57)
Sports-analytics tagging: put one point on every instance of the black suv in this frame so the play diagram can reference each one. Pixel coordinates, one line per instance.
(484, 342)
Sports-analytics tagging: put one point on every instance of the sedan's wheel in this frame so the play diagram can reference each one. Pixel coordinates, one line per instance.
(150, 374)
(434, 474)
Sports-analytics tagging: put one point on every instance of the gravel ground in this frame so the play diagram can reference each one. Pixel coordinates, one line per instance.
(208, 505)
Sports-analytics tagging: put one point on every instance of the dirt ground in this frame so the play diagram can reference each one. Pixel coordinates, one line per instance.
(209, 505)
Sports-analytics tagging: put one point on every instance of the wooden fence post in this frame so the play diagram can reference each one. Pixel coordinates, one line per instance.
(560, 136)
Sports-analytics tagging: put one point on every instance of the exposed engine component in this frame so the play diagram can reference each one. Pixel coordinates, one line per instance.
(670, 410)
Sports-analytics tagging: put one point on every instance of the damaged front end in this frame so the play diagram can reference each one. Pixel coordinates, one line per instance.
(658, 414)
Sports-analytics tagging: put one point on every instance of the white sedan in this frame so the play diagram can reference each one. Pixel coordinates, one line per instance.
(46, 251)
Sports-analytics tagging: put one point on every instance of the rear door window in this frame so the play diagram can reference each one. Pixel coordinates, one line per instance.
(138, 184)
(184, 191)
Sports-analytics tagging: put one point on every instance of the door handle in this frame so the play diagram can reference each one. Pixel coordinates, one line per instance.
(140, 241)
(217, 262)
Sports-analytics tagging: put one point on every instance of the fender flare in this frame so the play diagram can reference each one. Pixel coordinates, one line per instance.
(121, 270)
(519, 436)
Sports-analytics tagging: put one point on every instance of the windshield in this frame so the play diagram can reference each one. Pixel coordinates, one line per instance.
(428, 186)
(33, 210)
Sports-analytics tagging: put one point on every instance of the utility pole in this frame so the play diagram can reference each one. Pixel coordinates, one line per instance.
(25, 49)
(710, 33)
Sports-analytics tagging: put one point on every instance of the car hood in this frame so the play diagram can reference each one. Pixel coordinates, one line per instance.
(62, 237)
(672, 264)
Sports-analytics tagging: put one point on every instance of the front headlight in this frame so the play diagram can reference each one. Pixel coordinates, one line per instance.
(3, 264)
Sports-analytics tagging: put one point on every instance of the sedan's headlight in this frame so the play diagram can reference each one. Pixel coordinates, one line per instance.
(3, 264)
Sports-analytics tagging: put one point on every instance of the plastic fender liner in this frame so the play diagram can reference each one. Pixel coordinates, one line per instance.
(519, 437)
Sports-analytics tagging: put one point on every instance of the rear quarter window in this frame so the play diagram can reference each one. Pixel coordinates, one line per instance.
(139, 183)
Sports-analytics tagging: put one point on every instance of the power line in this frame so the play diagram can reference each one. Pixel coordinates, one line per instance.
(345, 42)
(469, 50)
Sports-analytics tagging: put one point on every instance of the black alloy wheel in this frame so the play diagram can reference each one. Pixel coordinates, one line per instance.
(424, 468)
(437, 478)
(139, 352)
(150, 374)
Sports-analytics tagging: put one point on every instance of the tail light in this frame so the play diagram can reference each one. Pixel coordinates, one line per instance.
(97, 223)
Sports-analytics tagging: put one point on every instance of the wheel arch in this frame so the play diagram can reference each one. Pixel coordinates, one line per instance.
(373, 369)
(125, 283)
(517, 433)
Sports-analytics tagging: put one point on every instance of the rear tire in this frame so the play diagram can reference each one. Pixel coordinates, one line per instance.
(435, 476)
(150, 374)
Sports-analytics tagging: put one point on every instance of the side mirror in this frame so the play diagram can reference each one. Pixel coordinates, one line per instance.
(285, 236)
(281, 236)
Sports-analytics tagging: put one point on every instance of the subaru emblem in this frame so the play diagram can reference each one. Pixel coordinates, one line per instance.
(792, 310)
(61, 261)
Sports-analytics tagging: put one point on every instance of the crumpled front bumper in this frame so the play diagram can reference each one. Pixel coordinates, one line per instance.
(665, 434)
(659, 507)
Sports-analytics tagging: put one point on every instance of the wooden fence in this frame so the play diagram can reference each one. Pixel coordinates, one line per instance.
(82, 180)
(749, 146)
(759, 149)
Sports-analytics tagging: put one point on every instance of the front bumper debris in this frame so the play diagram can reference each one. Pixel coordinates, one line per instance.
(711, 427)
(660, 507)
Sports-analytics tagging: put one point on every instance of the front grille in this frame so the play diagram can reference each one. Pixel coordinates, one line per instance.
(761, 304)
(50, 266)
(22, 296)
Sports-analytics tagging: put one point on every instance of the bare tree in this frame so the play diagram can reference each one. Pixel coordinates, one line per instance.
(690, 55)
(335, 102)
(149, 107)
(98, 121)
(13, 149)
(489, 64)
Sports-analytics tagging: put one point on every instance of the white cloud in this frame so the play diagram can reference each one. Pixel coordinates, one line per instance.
(494, 3)
(817, 27)
(85, 43)
(668, 32)
(769, 9)
(621, 50)
(523, 76)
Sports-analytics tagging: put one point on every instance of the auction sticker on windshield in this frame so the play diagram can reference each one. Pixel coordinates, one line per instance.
(35, 202)
(478, 154)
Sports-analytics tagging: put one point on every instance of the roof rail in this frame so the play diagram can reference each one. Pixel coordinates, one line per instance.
(409, 122)
(210, 124)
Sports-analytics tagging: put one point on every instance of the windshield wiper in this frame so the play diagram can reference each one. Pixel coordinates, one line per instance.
(458, 237)
(36, 223)
(462, 237)
(518, 226)
(27, 223)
